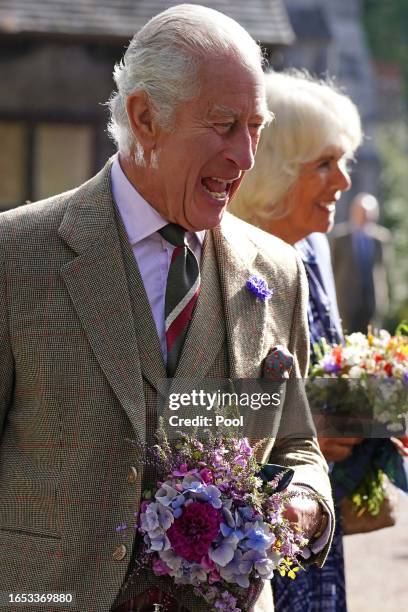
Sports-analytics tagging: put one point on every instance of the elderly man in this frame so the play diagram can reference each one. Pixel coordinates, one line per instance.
(88, 328)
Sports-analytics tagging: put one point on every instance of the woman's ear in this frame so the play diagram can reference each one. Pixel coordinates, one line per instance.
(141, 119)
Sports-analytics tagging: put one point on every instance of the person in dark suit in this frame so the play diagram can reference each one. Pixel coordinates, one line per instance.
(87, 313)
(363, 247)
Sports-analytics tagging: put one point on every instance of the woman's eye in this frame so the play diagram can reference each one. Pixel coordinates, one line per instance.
(324, 165)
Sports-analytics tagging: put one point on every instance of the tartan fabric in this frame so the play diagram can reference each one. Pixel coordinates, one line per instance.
(183, 287)
(315, 589)
(80, 365)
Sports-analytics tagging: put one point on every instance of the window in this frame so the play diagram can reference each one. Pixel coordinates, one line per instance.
(41, 158)
(62, 157)
(13, 163)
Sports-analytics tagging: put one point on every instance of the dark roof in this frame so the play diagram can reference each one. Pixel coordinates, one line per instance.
(266, 20)
(310, 23)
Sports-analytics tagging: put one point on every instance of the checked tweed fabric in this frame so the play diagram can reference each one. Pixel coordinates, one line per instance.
(183, 287)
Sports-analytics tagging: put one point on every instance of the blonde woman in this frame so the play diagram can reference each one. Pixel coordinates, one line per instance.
(300, 172)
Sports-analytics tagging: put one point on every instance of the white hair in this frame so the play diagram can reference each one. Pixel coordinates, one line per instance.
(310, 115)
(163, 59)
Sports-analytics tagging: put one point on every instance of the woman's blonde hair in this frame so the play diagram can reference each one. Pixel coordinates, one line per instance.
(310, 115)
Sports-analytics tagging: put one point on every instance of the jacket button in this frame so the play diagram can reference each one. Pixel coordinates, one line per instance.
(132, 476)
(120, 553)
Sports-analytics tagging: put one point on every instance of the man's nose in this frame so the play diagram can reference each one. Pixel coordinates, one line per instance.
(241, 149)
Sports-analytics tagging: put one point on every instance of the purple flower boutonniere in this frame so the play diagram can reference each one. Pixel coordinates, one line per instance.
(259, 287)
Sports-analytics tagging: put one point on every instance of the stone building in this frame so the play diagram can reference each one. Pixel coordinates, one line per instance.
(56, 61)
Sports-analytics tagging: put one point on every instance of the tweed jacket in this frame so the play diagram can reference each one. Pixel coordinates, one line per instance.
(79, 370)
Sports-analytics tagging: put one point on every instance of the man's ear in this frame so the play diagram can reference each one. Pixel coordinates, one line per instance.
(141, 119)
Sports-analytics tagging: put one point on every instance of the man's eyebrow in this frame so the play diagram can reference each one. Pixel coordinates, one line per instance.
(263, 116)
(224, 111)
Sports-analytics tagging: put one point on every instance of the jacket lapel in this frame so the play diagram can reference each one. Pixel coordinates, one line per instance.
(151, 358)
(96, 281)
(246, 317)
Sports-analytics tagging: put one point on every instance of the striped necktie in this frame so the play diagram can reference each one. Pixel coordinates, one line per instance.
(183, 287)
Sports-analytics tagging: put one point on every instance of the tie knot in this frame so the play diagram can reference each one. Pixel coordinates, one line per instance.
(173, 233)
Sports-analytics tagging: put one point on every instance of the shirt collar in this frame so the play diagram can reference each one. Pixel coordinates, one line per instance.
(139, 217)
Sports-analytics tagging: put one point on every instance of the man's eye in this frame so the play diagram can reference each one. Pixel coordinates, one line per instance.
(257, 127)
(225, 126)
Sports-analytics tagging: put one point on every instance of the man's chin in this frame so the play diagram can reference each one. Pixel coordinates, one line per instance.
(210, 222)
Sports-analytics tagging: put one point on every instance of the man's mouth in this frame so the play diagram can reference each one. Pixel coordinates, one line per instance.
(218, 188)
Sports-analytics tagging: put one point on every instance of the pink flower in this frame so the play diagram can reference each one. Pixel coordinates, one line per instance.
(183, 470)
(207, 563)
(214, 576)
(160, 568)
(206, 475)
(209, 566)
(192, 533)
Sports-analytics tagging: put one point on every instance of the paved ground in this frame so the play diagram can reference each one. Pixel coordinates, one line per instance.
(377, 567)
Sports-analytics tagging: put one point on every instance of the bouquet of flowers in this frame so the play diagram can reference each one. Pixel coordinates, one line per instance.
(371, 371)
(367, 378)
(215, 521)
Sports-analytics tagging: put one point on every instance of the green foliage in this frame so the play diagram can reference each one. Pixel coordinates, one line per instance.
(386, 23)
(402, 329)
(392, 141)
(370, 494)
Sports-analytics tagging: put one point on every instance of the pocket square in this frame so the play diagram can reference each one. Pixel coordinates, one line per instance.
(277, 364)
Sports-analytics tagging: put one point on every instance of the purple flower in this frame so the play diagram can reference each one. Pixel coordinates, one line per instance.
(245, 448)
(405, 379)
(206, 475)
(183, 470)
(227, 603)
(202, 491)
(258, 536)
(233, 571)
(263, 565)
(259, 287)
(232, 535)
(224, 554)
(160, 568)
(156, 520)
(159, 543)
(166, 494)
(231, 528)
(177, 504)
(192, 533)
(330, 365)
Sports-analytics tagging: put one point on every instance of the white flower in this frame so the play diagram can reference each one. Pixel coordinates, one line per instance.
(356, 372)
